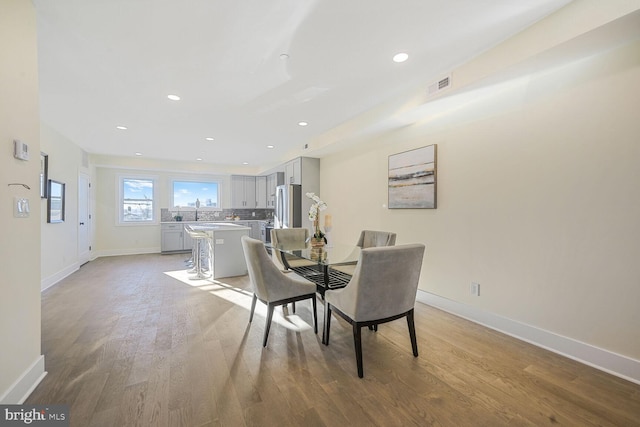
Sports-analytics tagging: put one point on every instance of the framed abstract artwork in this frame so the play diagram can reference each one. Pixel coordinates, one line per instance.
(412, 179)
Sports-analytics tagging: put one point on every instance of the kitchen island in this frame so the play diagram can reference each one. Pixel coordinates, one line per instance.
(174, 239)
(222, 248)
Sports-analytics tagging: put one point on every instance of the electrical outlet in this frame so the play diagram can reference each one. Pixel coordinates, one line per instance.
(475, 289)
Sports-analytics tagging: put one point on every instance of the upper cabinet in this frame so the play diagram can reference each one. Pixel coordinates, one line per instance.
(306, 170)
(293, 171)
(243, 192)
(273, 181)
(261, 192)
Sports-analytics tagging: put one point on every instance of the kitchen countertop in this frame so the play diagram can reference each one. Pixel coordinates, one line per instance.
(218, 226)
(229, 221)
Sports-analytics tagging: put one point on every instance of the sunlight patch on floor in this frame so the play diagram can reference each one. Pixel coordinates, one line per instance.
(242, 298)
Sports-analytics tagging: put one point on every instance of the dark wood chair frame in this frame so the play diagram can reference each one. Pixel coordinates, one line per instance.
(272, 305)
(371, 324)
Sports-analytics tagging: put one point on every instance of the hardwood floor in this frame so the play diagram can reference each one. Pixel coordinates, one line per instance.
(128, 343)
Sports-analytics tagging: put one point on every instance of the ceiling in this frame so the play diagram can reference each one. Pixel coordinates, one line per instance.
(248, 72)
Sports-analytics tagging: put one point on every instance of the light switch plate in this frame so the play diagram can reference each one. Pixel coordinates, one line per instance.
(20, 207)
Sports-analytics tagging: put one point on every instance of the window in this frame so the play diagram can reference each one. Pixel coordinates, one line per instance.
(136, 200)
(188, 193)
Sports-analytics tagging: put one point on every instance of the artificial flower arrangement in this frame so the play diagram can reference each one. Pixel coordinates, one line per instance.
(314, 215)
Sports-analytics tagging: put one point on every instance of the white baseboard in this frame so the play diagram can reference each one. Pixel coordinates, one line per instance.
(604, 360)
(25, 384)
(47, 282)
(119, 252)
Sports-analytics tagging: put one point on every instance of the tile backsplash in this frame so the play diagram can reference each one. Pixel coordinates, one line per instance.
(167, 215)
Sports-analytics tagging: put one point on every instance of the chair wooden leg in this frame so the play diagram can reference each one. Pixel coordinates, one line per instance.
(268, 325)
(253, 307)
(327, 323)
(412, 333)
(357, 340)
(315, 314)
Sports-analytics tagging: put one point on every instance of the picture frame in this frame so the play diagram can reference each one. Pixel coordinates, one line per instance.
(412, 179)
(44, 175)
(55, 201)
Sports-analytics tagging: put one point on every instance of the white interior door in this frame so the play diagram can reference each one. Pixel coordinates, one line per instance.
(84, 218)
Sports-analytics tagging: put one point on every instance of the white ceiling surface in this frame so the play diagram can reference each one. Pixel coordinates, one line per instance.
(105, 63)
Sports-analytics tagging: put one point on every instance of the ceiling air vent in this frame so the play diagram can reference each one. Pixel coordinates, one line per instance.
(442, 84)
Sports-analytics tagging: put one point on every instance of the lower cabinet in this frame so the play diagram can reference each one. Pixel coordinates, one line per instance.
(187, 241)
(172, 238)
(255, 228)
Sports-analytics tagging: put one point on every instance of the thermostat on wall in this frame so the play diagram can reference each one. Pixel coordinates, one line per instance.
(20, 150)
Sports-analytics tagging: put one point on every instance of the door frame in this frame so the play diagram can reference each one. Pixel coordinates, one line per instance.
(84, 208)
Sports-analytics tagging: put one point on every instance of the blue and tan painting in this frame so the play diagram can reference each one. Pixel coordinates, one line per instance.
(412, 178)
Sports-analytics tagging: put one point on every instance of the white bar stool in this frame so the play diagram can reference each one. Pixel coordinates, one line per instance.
(200, 242)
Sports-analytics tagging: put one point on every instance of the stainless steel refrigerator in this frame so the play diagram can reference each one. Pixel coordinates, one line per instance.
(288, 212)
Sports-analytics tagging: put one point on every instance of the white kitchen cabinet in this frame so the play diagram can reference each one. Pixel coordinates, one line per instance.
(172, 237)
(187, 241)
(255, 230)
(293, 171)
(273, 181)
(253, 225)
(243, 192)
(261, 192)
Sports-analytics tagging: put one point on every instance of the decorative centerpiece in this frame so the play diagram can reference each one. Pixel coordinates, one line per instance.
(317, 240)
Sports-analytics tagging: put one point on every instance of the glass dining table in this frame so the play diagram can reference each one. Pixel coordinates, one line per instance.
(320, 268)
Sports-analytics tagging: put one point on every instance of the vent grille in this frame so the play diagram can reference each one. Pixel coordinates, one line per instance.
(440, 85)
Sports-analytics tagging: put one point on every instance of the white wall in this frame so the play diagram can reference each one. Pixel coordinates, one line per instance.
(21, 364)
(538, 178)
(59, 242)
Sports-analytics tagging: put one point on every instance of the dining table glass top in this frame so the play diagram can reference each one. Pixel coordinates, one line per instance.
(334, 254)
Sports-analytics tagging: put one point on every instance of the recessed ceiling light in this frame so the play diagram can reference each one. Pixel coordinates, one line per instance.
(284, 56)
(199, 159)
(245, 163)
(121, 127)
(138, 154)
(173, 97)
(271, 146)
(209, 138)
(303, 123)
(400, 57)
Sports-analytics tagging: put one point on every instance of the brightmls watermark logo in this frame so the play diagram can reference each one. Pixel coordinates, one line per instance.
(34, 415)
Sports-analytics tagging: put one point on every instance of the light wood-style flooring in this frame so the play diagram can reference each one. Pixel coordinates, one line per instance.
(128, 342)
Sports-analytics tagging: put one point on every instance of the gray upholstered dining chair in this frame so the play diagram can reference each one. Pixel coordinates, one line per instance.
(272, 286)
(369, 239)
(383, 288)
(289, 238)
